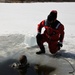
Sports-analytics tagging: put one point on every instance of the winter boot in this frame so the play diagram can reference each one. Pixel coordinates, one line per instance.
(42, 51)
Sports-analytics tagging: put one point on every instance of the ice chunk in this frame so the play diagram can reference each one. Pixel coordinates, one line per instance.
(30, 40)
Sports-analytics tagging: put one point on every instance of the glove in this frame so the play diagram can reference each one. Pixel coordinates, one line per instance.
(60, 44)
(39, 35)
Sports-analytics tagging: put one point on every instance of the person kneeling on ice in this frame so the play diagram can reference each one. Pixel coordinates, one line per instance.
(53, 34)
(22, 66)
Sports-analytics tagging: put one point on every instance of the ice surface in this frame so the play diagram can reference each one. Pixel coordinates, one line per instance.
(18, 29)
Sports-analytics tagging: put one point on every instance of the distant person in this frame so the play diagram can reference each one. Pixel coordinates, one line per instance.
(53, 34)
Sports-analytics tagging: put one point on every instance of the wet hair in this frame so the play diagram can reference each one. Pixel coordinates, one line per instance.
(23, 59)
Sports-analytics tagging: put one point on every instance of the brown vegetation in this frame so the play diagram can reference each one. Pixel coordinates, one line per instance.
(23, 1)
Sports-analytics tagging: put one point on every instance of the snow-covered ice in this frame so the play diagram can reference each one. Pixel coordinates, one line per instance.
(18, 29)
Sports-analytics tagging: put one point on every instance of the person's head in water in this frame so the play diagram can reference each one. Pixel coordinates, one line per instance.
(23, 59)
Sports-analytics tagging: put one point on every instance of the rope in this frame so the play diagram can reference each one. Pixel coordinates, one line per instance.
(72, 72)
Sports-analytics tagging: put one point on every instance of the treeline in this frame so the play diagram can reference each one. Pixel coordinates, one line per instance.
(23, 1)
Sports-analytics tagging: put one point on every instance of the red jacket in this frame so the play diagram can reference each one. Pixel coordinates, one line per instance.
(54, 31)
